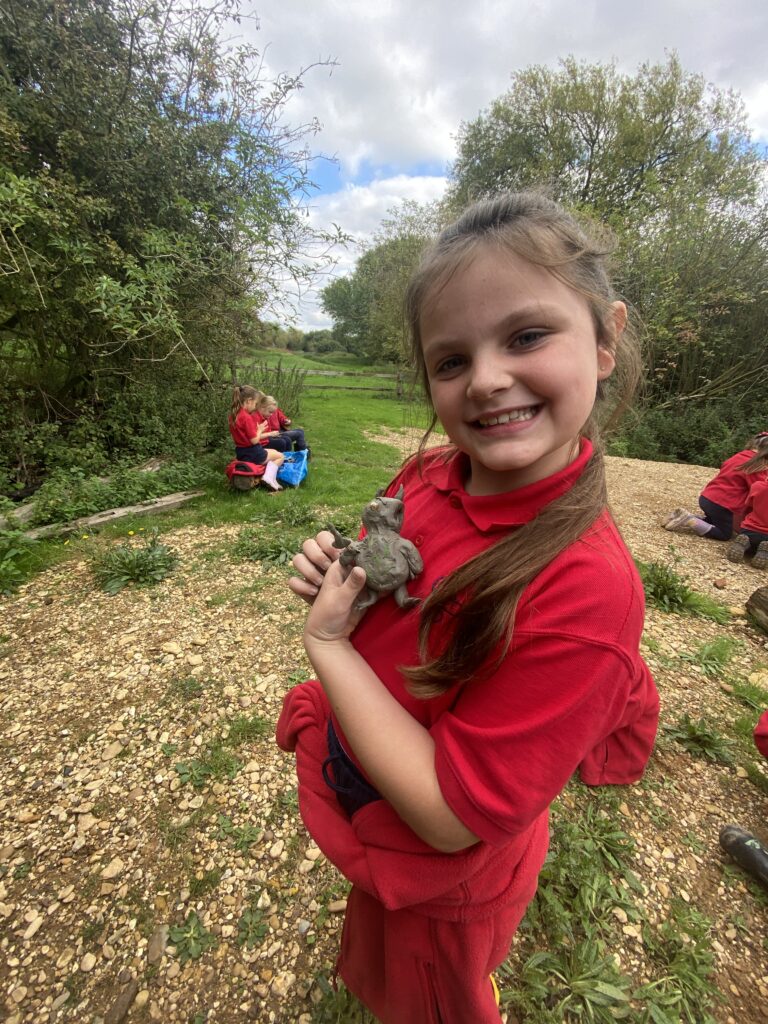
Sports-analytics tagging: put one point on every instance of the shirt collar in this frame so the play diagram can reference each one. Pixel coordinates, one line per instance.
(513, 508)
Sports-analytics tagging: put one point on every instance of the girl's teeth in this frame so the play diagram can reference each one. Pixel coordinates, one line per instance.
(506, 417)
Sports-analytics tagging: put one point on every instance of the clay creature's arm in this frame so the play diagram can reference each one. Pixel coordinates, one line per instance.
(413, 558)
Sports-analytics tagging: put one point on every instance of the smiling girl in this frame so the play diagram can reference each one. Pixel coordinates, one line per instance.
(433, 741)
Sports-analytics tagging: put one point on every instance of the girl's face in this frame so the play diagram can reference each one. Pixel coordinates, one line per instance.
(250, 405)
(513, 365)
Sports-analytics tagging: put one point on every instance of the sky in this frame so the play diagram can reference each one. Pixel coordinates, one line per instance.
(407, 72)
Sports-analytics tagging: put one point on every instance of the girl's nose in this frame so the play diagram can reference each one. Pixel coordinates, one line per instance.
(489, 375)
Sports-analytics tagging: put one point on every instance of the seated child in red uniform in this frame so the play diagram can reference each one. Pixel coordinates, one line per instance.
(433, 739)
(248, 435)
(279, 425)
(753, 532)
(724, 499)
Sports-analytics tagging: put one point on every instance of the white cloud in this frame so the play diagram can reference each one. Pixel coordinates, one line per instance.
(410, 71)
(358, 210)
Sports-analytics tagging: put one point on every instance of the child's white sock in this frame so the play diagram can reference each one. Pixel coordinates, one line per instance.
(700, 526)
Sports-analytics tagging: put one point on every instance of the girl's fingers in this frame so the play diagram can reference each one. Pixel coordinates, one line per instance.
(308, 569)
(303, 589)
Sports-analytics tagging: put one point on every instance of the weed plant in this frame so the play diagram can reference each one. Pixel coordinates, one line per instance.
(143, 564)
(701, 739)
(253, 545)
(681, 949)
(750, 694)
(17, 559)
(668, 590)
(191, 939)
(712, 657)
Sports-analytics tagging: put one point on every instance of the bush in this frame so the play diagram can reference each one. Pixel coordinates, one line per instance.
(144, 565)
(66, 496)
(286, 385)
(701, 435)
(15, 559)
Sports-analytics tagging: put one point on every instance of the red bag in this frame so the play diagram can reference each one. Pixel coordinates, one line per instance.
(244, 475)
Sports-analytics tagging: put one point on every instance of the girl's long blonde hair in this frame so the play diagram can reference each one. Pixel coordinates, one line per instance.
(759, 460)
(480, 598)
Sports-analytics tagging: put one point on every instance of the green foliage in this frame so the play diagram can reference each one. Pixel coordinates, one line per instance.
(185, 687)
(16, 559)
(243, 836)
(143, 564)
(701, 739)
(682, 951)
(193, 773)
(712, 657)
(338, 1005)
(705, 435)
(152, 196)
(581, 982)
(204, 882)
(245, 729)
(750, 694)
(252, 929)
(285, 384)
(367, 307)
(257, 546)
(70, 495)
(668, 590)
(191, 938)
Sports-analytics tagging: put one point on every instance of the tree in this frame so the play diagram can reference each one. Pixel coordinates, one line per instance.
(367, 307)
(613, 143)
(151, 197)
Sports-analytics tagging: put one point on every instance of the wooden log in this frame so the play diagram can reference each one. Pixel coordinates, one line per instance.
(144, 508)
(23, 513)
(757, 608)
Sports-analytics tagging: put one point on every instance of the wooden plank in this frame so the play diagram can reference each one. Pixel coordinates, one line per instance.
(144, 508)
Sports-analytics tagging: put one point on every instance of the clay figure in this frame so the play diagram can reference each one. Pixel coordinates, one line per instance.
(389, 560)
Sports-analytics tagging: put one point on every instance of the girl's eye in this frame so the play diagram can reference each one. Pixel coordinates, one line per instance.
(527, 339)
(449, 365)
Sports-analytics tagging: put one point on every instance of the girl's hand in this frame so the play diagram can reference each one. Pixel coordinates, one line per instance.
(316, 557)
(333, 616)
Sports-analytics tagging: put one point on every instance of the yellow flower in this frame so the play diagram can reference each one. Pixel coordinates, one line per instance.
(130, 533)
(84, 537)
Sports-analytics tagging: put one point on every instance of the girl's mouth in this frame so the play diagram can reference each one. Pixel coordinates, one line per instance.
(515, 416)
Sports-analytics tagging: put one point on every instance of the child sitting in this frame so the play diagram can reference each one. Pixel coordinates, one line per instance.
(753, 533)
(278, 424)
(724, 498)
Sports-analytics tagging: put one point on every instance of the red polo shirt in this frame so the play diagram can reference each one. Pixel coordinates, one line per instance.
(242, 429)
(756, 517)
(572, 691)
(730, 487)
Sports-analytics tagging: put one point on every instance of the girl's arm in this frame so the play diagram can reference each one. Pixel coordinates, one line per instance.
(397, 753)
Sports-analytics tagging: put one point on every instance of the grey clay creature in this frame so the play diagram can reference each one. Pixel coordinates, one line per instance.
(389, 560)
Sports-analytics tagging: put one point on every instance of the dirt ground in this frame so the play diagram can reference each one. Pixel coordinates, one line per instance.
(104, 845)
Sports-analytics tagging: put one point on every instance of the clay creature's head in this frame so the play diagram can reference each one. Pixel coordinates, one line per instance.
(386, 513)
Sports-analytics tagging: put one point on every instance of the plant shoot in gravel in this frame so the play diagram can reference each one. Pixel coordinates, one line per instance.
(701, 739)
(668, 590)
(144, 564)
(191, 939)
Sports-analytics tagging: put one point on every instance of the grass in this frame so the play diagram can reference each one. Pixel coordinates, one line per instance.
(701, 739)
(713, 657)
(668, 590)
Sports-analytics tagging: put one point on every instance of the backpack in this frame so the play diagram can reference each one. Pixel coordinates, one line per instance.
(244, 475)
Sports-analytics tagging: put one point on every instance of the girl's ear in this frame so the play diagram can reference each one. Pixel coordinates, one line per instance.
(606, 354)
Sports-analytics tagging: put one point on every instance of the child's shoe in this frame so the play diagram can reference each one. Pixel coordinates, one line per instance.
(747, 850)
(737, 548)
(680, 521)
(760, 560)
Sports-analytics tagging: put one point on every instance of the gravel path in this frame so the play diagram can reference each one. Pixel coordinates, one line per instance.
(111, 708)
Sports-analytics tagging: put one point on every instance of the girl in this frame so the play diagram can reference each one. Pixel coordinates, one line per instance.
(247, 435)
(724, 498)
(271, 435)
(753, 532)
(433, 741)
(278, 421)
